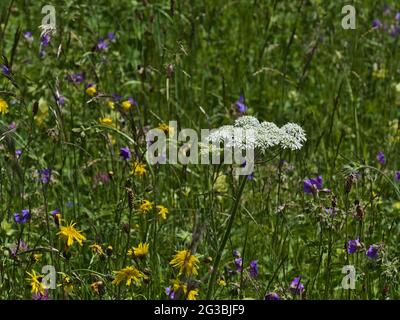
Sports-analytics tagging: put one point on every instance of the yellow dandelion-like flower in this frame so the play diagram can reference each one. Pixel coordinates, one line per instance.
(91, 90)
(106, 121)
(3, 106)
(192, 295)
(96, 248)
(126, 105)
(186, 262)
(166, 128)
(162, 212)
(140, 251)
(128, 275)
(138, 168)
(222, 282)
(35, 281)
(70, 234)
(111, 104)
(146, 206)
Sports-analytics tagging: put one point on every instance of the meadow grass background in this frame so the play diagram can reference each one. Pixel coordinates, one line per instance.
(190, 61)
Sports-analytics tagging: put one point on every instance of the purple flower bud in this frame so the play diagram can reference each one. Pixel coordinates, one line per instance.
(296, 287)
(272, 296)
(116, 97)
(19, 246)
(242, 108)
(76, 78)
(55, 211)
(312, 185)
(353, 245)
(18, 153)
(236, 254)
(28, 36)
(238, 264)
(111, 36)
(101, 44)
(60, 99)
(253, 269)
(397, 175)
(22, 217)
(45, 175)
(170, 293)
(41, 296)
(45, 40)
(376, 24)
(372, 252)
(125, 153)
(331, 211)
(133, 101)
(5, 69)
(381, 157)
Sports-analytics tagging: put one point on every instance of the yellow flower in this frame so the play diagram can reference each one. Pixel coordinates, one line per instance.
(162, 212)
(37, 257)
(66, 283)
(106, 121)
(146, 206)
(221, 184)
(166, 128)
(43, 111)
(96, 248)
(3, 106)
(140, 251)
(128, 275)
(71, 234)
(222, 282)
(35, 281)
(396, 205)
(139, 169)
(91, 90)
(111, 104)
(378, 72)
(192, 295)
(126, 105)
(186, 262)
(182, 289)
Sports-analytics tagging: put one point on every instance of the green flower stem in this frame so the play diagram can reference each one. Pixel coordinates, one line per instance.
(217, 260)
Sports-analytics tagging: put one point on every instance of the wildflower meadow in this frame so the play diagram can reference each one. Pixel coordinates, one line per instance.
(191, 150)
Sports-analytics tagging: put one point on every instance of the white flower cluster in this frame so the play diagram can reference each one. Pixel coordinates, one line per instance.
(247, 132)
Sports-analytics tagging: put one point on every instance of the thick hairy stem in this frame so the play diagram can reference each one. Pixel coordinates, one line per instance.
(221, 248)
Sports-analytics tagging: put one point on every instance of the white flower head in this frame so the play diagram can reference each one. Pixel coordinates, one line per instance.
(268, 135)
(293, 137)
(248, 133)
(236, 137)
(247, 122)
